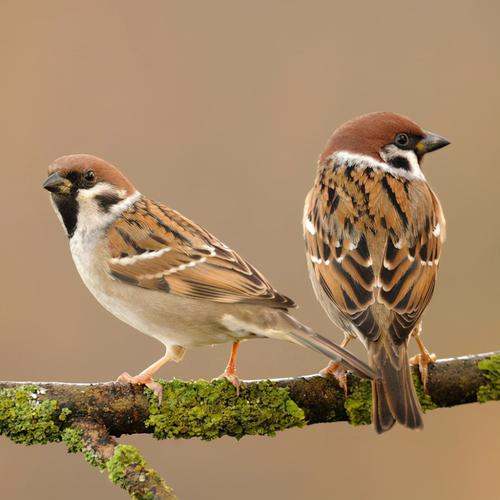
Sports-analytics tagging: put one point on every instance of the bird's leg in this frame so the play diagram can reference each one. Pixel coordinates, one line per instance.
(146, 376)
(424, 359)
(230, 371)
(335, 369)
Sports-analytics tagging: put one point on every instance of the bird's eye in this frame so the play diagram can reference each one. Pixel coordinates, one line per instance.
(402, 140)
(89, 176)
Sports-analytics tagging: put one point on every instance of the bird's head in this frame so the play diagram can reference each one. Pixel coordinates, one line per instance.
(384, 137)
(85, 188)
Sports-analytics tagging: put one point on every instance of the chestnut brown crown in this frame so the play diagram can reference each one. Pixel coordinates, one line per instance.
(368, 134)
(87, 170)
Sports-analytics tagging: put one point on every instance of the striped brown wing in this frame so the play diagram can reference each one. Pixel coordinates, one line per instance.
(374, 239)
(409, 271)
(340, 260)
(155, 247)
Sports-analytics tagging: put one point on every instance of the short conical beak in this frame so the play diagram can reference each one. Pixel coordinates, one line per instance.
(431, 142)
(57, 184)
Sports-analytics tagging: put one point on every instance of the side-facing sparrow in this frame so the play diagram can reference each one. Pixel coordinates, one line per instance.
(373, 230)
(166, 276)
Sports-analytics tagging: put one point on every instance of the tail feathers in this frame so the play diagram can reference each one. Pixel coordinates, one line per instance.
(394, 395)
(383, 419)
(303, 335)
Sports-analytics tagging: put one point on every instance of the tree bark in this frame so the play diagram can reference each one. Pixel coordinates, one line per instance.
(124, 408)
(87, 416)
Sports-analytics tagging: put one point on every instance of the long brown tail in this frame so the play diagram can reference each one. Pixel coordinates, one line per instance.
(303, 335)
(394, 395)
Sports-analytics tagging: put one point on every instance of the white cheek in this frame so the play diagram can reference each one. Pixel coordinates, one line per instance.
(100, 189)
(91, 218)
(89, 215)
(346, 158)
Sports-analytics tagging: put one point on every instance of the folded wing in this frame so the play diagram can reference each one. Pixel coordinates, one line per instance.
(155, 247)
(343, 221)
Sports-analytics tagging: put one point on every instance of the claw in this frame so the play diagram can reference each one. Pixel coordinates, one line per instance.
(423, 361)
(125, 377)
(233, 378)
(143, 379)
(340, 374)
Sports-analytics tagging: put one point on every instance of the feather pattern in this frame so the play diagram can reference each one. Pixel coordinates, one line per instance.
(155, 247)
(373, 242)
(372, 210)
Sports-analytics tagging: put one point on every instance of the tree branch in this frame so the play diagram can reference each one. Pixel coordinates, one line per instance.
(85, 416)
(124, 463)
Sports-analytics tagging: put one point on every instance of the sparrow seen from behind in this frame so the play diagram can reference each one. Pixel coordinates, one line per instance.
(373, 230)
(166, 276)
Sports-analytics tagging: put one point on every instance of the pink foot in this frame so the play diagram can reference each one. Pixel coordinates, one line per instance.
(143, 379)
(233, 378)
(336, 371)
(423, 361)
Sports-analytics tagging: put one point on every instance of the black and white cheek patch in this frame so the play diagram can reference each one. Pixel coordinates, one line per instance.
(103, 196)
(107, 200)
(397, 162)
(403, 162)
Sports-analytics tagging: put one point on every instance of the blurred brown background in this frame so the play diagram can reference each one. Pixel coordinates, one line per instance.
(220, 109)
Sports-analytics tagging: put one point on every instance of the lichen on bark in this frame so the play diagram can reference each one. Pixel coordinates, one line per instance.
(88, 416)
(209, 410)
(25, 419)
(73, 438)
(128, 470)
(358, 403)
(491, 370)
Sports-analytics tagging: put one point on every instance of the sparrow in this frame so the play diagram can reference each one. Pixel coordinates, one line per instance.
(373, 231)
(164, 275)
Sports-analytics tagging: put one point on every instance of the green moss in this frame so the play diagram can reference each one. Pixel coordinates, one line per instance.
(127, 468)
(26, 419)
(125, 456)
(73, 439)
(425, 400)
(94, 460)
(65, 413)
(358, 404)
(209, 410)
(491, 370)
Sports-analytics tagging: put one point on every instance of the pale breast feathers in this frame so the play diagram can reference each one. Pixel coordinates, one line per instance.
(155, 247)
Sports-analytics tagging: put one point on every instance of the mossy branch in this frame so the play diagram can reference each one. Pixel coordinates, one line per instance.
(86, 416)
(125, 466)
